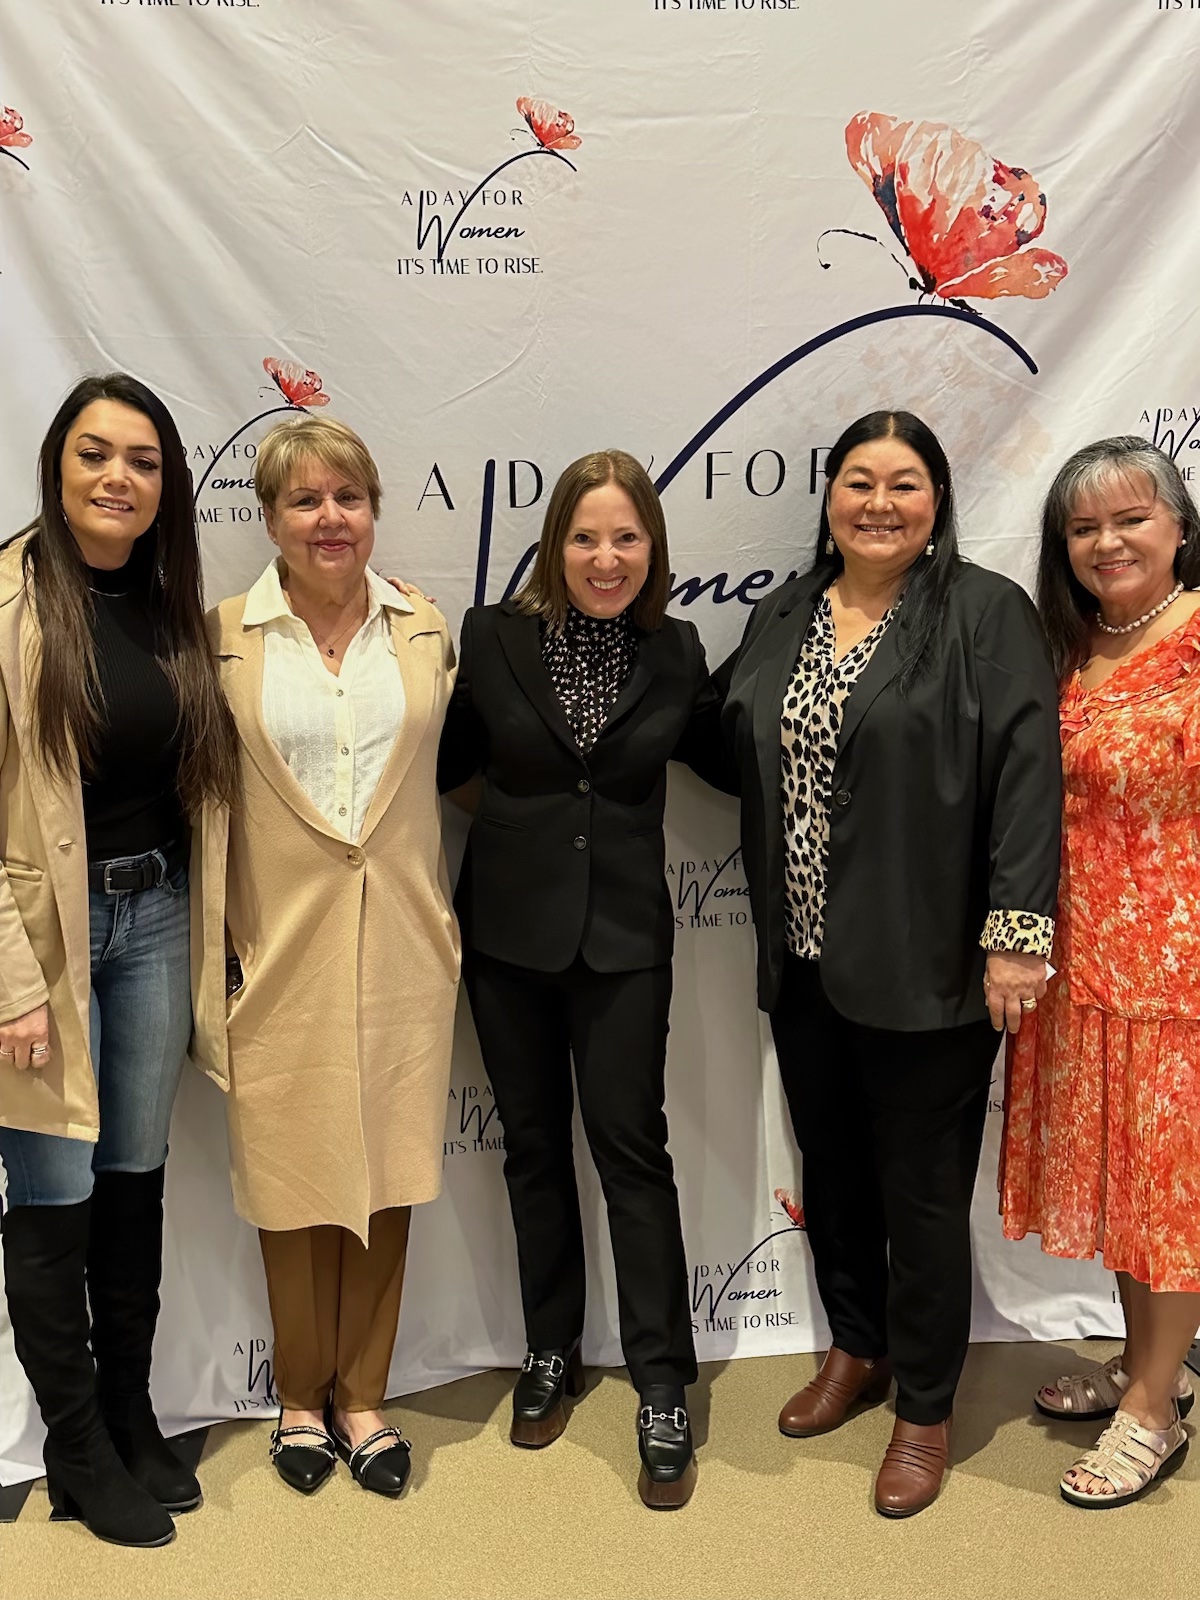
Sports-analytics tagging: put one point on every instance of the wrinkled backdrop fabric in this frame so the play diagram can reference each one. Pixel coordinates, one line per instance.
(339, 204)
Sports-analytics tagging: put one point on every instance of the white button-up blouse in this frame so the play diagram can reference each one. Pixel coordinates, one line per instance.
(335, 733)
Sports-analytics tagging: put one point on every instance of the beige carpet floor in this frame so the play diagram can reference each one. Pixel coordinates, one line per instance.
(772, 1518)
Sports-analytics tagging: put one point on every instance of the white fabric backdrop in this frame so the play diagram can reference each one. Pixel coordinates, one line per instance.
(216, 183)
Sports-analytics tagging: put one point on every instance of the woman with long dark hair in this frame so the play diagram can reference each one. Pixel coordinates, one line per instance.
(891, 715)
(1102, 1130)
(113, 734)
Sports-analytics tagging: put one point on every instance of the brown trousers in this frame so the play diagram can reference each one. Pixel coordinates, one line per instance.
(335, 1306)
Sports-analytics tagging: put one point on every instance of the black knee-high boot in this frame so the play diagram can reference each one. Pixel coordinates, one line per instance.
(45, 1250)
(124, 1269)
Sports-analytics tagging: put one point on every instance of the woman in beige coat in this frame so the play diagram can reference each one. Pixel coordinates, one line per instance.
(341, 948)
(113, 732)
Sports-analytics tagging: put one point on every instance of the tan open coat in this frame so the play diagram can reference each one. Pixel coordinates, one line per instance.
(336, 1050)
(44, 939)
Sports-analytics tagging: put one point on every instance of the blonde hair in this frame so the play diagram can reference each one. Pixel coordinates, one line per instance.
(544, 592)
(323, 439)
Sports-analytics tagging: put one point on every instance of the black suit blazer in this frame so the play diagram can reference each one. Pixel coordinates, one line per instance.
(946, 801)
(566, 854)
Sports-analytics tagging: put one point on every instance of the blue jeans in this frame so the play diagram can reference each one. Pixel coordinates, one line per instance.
(141, 1020)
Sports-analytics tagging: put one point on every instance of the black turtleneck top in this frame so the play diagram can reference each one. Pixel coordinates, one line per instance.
(588, 662)
(130, 792)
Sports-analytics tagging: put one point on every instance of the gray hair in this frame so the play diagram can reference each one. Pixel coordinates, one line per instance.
(1065, 606)
(1099, 465)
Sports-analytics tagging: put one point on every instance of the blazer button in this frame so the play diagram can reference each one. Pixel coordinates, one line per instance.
(583, 786)
(579, 842)
(355, 857)
(842, 797)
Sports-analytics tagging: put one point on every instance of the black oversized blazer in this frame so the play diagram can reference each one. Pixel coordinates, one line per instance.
(946, 800)
(565, 856)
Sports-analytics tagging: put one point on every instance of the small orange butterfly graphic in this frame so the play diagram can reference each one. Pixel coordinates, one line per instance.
(553, 129)
(792, 1206)
(964, 219)
(11, 135)
(298, 385)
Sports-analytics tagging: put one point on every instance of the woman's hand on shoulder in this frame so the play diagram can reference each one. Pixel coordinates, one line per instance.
(25, 1041)
(410, 591)
(1010, 982)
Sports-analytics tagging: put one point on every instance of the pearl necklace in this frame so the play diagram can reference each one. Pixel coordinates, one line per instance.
(1132, 627)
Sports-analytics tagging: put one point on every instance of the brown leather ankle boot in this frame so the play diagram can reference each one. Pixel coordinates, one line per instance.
(842, 1382)
(913, 1467)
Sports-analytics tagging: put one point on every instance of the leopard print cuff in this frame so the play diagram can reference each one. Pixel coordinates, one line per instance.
(1021, 931)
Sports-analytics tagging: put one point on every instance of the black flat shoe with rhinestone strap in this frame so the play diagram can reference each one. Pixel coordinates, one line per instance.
(381, 1468)
(539, 1414)
(303, 1466)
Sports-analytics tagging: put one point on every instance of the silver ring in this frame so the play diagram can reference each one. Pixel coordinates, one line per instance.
(7, 1055)
(39, 1050)
(1028, 1005)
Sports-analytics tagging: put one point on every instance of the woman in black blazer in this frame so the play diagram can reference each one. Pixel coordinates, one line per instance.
(570, 701)
(892, 719)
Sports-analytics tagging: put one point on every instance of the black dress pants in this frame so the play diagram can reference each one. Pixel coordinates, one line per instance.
(614, 1024)
(890, 1126)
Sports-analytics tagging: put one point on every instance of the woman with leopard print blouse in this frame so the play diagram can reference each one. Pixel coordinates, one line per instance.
(892, 715)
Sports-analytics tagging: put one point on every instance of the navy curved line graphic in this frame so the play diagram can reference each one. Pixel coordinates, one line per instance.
(444, 238)
(713, 1303)
(888, 314)
(232, 439)
(692, 887)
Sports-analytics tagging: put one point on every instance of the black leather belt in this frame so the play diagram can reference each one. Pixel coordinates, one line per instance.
(132, 874)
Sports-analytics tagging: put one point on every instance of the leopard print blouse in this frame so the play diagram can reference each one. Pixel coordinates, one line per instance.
(810, 723)
(809, 726)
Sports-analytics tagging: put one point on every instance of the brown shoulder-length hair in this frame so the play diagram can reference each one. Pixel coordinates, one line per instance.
(544, 592)
(166, 560)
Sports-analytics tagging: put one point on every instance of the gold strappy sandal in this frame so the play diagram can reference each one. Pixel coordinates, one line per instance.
(1090, 1396)
(1129, 1457)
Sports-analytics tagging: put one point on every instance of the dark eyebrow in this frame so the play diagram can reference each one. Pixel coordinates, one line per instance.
(107, 443)
(629, 527)
(889, 477)
(1138, 505)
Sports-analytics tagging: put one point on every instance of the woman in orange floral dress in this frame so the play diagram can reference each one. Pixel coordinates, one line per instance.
(1102, 1132)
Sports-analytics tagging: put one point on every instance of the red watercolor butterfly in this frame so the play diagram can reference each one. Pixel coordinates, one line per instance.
(11, 136)
(297, 384)
(792, 1206)
(964, 219)
(553, 129)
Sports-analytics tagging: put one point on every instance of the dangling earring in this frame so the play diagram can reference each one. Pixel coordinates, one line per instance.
(929, 548)
(829, 545)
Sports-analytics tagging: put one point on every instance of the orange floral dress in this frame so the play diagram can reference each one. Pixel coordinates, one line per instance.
(1102, 1115)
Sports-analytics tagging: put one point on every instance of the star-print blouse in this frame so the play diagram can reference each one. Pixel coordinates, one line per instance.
(588, 663)
(810, 723)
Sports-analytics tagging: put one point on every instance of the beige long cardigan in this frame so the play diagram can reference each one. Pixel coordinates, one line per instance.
(45, 951)
(337, 1047)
